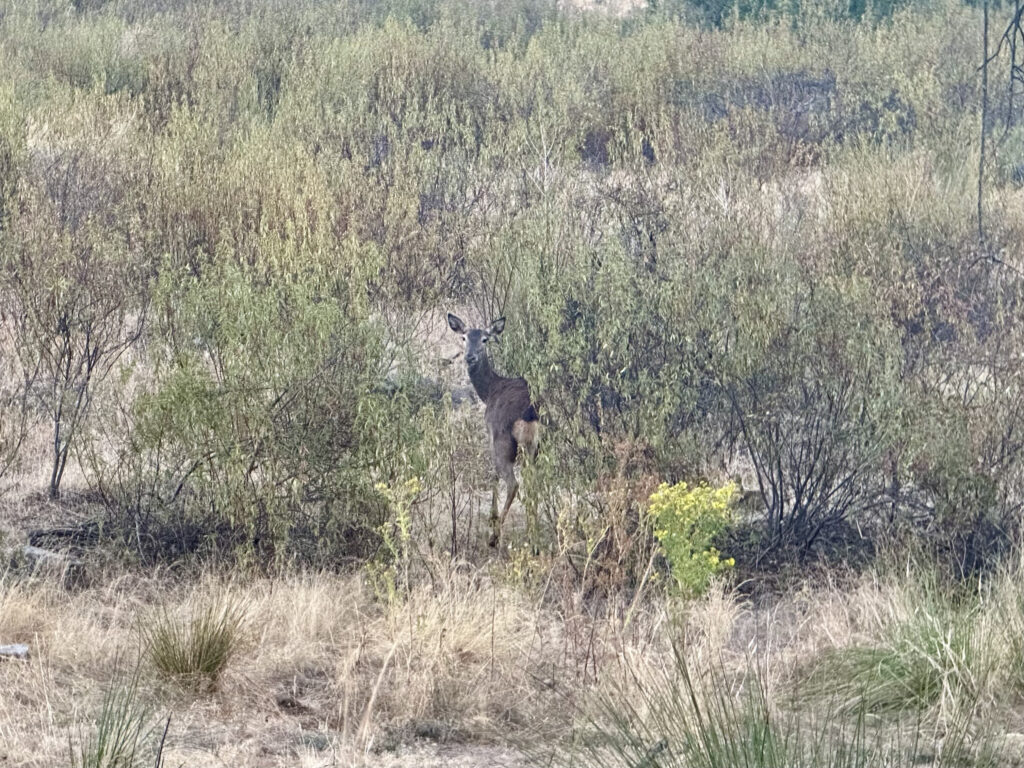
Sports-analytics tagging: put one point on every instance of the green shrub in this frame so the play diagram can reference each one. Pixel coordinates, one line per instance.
(389, 571)
(252, 440)
(687, 521)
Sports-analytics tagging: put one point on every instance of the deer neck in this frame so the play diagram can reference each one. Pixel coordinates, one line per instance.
(482, 376)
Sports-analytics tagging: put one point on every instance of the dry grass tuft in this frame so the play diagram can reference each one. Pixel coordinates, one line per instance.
(194, 649)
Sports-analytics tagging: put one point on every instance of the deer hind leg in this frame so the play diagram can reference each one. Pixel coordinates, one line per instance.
(511, 488)
(527, 434)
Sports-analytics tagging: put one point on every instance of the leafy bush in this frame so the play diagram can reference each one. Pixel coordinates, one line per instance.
(687, 521)
(254, 436)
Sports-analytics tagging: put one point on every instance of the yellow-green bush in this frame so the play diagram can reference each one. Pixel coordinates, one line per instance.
(389, 572)
(687, 520)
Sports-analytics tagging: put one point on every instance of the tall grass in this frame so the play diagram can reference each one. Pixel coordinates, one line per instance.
(194, 650)
(701, 715)
(124, 735)
(937, 650)
(474, 660)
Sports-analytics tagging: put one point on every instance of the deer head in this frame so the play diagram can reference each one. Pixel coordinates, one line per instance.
(475, 338)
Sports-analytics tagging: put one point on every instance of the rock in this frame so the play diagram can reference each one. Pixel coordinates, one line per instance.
(16, 651)
(68, 568)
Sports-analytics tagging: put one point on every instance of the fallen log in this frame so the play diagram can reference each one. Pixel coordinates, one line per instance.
(62, 564)
(81, 535)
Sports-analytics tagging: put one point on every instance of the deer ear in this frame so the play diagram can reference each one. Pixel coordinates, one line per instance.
(456, 324)
(497, 326)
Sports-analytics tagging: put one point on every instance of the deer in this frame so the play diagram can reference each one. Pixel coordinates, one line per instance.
(511, 417)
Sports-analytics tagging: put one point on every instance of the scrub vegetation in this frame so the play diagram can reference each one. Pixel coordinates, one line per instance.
(771, 319)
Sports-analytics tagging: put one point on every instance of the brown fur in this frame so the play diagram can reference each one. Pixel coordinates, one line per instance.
(510, 416)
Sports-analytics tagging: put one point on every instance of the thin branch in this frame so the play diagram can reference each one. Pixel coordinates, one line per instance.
(984, 121)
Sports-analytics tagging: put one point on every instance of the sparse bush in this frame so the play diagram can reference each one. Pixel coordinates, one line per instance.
(818, 410)
(16, 406)
(730, 238)
(77, 289)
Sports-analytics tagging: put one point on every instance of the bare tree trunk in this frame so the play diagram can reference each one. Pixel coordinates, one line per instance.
(1012, 89)
(984, 119)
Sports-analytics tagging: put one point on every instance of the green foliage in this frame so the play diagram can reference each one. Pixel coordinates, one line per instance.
(687, 521)
(225, 228)
(252, 434)
(194, 651)
(389, 571)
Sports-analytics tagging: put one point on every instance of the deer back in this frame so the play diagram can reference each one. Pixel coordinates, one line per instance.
(508, 401)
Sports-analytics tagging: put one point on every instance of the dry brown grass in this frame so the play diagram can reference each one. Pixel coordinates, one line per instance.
(325, 671)
(328, 675)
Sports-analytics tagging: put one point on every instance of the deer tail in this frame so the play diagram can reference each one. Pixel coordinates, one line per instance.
(526, 432)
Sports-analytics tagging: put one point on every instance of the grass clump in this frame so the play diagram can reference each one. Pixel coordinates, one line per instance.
(124, 736)
(935, 652)
(707, 717)
(925, 661)
(195, 650)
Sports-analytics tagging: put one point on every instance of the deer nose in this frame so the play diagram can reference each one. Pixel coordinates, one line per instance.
(471, 358)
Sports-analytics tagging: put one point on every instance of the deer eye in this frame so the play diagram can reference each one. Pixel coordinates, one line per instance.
(485, 339)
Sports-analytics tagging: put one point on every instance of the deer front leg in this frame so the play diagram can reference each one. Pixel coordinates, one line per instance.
(495, 533)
